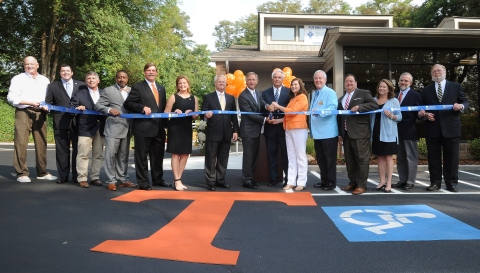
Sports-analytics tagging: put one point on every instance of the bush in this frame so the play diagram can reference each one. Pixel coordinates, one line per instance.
(470, 128)
(422, 147)
(310, 147)
(474, 148)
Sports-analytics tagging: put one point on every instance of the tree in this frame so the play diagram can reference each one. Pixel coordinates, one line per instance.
(226, 34)
(328, 7)
(432, 12)
(400, 9)
(283, 6)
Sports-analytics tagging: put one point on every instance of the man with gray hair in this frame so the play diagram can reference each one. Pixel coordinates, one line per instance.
(407, 157)
(324, 130)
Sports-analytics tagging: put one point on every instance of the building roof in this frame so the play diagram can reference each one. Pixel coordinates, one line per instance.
(247, 51)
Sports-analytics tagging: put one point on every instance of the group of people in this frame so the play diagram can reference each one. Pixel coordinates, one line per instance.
(278, 116)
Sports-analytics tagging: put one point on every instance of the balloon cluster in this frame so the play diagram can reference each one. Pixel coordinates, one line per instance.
(287, 71)
(236, 83)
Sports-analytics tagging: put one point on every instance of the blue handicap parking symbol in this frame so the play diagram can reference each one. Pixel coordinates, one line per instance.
(398, 223)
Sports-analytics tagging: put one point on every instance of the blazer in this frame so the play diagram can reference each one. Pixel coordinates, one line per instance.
(140, 96)
(358, 126)
(115, 127)
(251, 124)
(388, 127)
(407, 129)
(324, 126)
(220, 126)
(296, 121)
(446, 122)
(271, 130)
(57, 95)
(88, 125)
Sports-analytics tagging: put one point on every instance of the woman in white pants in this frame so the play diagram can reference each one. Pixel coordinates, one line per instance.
(296, 133)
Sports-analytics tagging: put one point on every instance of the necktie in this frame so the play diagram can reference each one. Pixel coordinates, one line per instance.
(254, 96)
(222, 101)
(347, 101)
(439, 92)
(276, 95)
(155, 94)
(69, 90)
(400, 97)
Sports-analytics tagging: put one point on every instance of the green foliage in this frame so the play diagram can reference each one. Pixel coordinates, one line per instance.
(474, 148)
(310, 147)
(470, 129)
(328, 7)
(400, 9)
(422, 147)
(283, 6)
(432, 12)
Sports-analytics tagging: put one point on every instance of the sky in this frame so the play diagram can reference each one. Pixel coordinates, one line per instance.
(205, 14)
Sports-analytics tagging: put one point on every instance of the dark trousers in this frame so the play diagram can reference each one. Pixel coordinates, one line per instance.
(450, 148)
(326, 155)
(357, 158)
(65, 160)
(273, 143)
(250, 157)
(154, 148)
(216, 161)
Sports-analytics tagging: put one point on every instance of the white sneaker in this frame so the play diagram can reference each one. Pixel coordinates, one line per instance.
(47, 177)
(24, 179)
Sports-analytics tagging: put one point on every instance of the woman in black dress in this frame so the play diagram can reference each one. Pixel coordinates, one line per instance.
(179, 133)
(385, 133)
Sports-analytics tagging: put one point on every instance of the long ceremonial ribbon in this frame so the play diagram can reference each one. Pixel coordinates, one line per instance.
(318, 112)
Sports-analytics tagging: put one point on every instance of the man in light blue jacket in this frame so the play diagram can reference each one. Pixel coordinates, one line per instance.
(324, 130)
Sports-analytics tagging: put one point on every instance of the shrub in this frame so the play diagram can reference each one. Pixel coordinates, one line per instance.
(310, 147)
(474, 148)
(422, 147)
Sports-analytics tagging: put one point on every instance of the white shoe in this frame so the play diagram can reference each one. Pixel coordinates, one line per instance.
(24, 179)
(47, 177)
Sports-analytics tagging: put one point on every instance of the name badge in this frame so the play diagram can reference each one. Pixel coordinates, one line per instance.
(320, 102)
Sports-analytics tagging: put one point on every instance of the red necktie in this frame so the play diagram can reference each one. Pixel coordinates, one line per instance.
(347, 101)
(400, 97)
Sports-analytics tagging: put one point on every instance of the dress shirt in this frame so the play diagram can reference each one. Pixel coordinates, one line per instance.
(95, 94)
(70, 83)
(345, 99)
(124, 91)
(25, 87)
(253, 94)
(219, 94)
(404, 93)
(442, 83)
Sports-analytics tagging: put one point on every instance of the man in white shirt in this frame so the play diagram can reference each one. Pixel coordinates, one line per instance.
(26, 92)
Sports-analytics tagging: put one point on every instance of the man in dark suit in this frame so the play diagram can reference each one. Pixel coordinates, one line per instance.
(147, 97)
(65, 132)
(117, 141)
(273, 130)
(90, 131)
(442, 128)
(354, 133)
(407, 157)
(221, 129)
(250, 100)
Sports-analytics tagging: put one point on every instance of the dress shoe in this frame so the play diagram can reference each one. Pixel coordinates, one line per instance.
(320, 185)
(387, 191)
(224, 185)
(329, 188)
(212, 188)
(83, 184)
(379, 189)
(249, 185)
(127, 184)
(61, 181)
(433, 187)
(348, 188)
(145, 187)
(111, 187)
(254, 183)
(409, 187)
(358, 191)
(163, 184)
(399, 185)
(452, 189)
(271, 184)
(96, 182)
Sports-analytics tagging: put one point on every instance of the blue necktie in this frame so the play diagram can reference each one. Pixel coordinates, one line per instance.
(276, 95)
(69, 90)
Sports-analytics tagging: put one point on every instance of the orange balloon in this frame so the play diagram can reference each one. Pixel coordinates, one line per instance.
(286, 82)
(287, 71)
(230, 78)
(238, 73)
(230, 89)
(239, 82)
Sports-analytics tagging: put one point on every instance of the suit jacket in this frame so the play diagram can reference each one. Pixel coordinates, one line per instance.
(88, 125)
(446, 122)
(140, 96)
(115, 127)
(251, 125)
(407, 130)
(220, 127)
(268, 96)
(358, 126)
(57, 95)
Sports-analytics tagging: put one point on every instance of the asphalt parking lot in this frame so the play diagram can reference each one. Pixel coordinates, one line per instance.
(48, 227)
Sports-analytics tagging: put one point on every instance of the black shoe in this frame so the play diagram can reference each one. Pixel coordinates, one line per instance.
(96, 182)
(320, 185)
(249, 185)
(409, 187)
(271, 184)
(329, 188)
(452, 189)
(224, 185)
(212, 188)
(163, 184)
(379, 189)
(399, 185)
(433, 187)
(387, 191)
(145, 186)
(61, 181)
(254, 183)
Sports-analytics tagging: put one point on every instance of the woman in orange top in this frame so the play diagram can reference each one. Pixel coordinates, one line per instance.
(296, 133)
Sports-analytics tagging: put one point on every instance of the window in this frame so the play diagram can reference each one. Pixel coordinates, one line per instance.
(283, 33)
(301, 34)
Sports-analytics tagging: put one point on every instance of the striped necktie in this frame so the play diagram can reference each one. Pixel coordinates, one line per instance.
(439, 92)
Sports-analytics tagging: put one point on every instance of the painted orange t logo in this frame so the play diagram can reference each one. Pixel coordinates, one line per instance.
(189, 236)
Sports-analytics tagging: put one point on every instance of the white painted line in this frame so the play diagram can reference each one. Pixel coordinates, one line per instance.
(337, 189)
(474, 174)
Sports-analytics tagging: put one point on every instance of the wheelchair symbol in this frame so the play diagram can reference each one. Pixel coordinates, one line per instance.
(393, 220)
